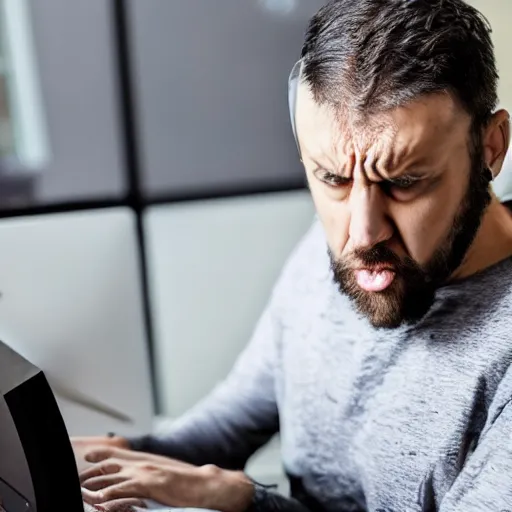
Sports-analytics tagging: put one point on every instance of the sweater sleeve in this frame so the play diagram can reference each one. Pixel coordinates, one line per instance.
(266, 500)
(236, 419)
(485, 482)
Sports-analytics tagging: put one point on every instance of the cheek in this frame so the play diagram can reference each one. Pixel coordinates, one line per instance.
(425, 225)
(334, 216)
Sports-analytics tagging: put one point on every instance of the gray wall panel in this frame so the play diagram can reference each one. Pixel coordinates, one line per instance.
(211, 83)
(75, 56)
(212, 265)
(72, 305)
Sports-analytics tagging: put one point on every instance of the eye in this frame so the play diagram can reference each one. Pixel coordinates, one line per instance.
(331, 179)
(404, 183)
(403, 187)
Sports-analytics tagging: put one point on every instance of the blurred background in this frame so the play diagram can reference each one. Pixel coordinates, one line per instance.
(150, 191)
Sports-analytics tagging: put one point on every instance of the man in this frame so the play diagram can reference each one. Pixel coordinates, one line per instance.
(384, 361)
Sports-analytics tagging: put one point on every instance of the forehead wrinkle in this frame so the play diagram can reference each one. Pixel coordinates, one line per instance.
(429, 127)
(341, 138)
(432, 121)
(373, 148)
(341, 145)
(386, 156)
(401, 153)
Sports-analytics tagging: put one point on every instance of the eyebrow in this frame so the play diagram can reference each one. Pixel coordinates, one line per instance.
(406, 176)
(414, 175)
(331, 168)
(415, 172)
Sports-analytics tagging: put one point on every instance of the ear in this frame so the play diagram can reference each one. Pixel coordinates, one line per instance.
(496, 141)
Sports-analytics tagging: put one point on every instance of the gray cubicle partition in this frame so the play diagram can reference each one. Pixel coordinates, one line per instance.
(75, 69)
(152, 101)
(71, 303)
(211, 89)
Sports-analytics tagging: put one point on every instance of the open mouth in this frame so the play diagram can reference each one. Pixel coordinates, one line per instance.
(375, 279)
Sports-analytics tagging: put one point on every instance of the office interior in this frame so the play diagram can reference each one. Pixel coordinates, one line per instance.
(150, 192)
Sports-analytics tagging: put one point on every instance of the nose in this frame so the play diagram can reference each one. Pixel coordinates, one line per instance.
(369, 223)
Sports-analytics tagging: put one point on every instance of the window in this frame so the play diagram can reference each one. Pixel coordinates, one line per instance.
(6, 128)
(23, 136)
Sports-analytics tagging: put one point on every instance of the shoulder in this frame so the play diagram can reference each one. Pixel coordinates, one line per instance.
(306, 269)
(502, 398)
(484, 301)
(491, 295)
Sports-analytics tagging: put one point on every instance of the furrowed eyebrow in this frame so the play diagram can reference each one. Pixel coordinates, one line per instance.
(321, 165)
(414, 173)
(333, 169)
(405, 177)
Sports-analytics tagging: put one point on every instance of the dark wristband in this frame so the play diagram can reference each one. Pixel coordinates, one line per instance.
(261, 495)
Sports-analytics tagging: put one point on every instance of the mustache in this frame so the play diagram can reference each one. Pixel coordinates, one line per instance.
(377, 255)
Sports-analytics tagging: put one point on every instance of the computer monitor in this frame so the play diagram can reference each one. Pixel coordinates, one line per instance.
(71, 303)
(37, 465)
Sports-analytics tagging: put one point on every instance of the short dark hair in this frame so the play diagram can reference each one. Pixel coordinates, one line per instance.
(371, 55)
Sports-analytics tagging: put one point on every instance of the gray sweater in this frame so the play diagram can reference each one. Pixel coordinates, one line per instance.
(415, 419)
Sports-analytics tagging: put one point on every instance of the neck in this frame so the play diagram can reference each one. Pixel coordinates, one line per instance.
(493, 242)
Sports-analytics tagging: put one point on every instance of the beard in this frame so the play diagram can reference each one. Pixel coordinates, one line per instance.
(412, 292)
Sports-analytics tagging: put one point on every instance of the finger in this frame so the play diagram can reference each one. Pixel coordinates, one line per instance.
(81, 449)
(103, 453)
(90, 497)
(100, 482)
(96, 500)
(89, 442)
(126, 489)
(124, 505)
(99, 453)
(110, 467)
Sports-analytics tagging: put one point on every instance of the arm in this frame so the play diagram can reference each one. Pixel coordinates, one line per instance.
(485, 482)
(236, 419)
(212, 443)
(120, 476)
(205, 451)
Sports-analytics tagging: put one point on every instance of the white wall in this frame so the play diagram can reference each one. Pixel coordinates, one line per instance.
(71, 303)
(499, 14)
(212, 265)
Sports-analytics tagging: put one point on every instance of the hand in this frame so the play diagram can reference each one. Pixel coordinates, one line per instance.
(83, 445)
(119, 474)
(87, 443)
(115, 506)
